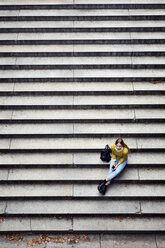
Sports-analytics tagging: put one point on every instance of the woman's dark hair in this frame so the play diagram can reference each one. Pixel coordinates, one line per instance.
(121, 141)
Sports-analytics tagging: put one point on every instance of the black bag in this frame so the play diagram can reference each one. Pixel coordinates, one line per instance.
(105, 154)
(102, 187)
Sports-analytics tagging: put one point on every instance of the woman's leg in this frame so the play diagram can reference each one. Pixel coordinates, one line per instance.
(113, 173)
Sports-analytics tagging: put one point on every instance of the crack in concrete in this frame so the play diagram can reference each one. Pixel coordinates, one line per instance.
(100, 240)
(140, 211)
(156, 241)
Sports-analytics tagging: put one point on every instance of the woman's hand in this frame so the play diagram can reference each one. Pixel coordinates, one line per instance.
(116, 166)
(113, 163)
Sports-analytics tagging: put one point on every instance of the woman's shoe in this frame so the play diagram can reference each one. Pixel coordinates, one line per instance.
(102, 187)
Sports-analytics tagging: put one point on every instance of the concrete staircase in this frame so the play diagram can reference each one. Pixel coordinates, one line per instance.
(74, 76)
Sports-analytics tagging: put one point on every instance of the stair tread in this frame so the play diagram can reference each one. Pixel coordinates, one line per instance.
(78, 174)
(76, 158)
(89, 191)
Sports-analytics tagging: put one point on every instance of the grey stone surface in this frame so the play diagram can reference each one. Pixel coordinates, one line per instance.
(66, 36)
(85, 24)
(72, 114)
(119, 24)
(2, 206)
(72, 60)
(74, 12)
(120, 128)
(123, 73)
(36, 73)
(37, 100)
(119, 223)
(5, 143)
(149, 86)
(38, 158)
(47, 24)
(13, 241)
(7, 61)
(7, 87)
(153, 207)
(53, 223)
(76, 86)
(36, 128)
(5, 114)
(15, 224)
(72, 207)
(148, 60)
(111, 100)
(36, 190)
(151, 143)
(146, 12)
(160, 240)
(9, 12)
(115, 47)
(3, 174)
(114, 190)
(128, 240)
(143, 35)
(88, 240)
(34, 48)
(68, 174)
(150, 113)
(9, 36)
(155, 173)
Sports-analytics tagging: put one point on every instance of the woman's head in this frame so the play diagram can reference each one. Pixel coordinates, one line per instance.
(120, 143)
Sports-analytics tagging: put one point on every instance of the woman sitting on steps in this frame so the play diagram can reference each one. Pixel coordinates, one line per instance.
(119, 159)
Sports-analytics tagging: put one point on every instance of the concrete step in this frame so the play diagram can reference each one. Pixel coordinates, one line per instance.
(76, 24)
(72, 207)
(84, 129)
(75, 86)
(88, 114)
(81, 240)
(83, 86)
(124, 224)
(54, 191)
(82, 36)
(80, 48)
(78, 175)
(66, 75)
(84, 158)
(117, 61)
(82, 12)
(81, 100)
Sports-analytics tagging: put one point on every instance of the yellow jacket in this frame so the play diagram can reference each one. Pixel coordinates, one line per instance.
(122, 155)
